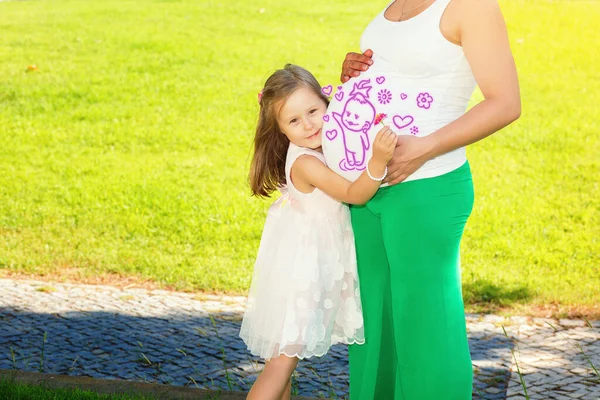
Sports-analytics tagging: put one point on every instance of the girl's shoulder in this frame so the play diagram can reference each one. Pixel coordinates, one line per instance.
(296, 151)
(299, 188)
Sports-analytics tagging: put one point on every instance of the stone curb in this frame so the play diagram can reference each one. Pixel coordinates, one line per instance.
(116, 386)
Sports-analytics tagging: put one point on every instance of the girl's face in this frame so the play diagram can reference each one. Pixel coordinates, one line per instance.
(301, 118)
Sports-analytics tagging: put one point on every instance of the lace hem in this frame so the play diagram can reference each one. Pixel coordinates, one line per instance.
(303, 354)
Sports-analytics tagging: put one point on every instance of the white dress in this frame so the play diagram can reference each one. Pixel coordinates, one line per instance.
(304, 295)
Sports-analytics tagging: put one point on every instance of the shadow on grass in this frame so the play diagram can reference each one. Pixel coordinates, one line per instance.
(490, 296)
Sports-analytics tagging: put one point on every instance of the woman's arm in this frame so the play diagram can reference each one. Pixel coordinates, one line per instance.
(484, 39)
(311, 171)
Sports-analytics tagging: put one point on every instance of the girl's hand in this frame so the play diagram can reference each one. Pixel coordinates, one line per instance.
(384, 146)
(411, 153)
(355, 63)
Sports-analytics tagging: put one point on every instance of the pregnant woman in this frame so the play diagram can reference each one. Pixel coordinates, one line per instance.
(423, 59)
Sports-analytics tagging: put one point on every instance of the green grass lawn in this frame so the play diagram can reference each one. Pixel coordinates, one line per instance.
(126, 151)
(18, 391)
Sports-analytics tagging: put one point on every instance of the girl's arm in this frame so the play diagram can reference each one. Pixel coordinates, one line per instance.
(483, 36)
(309, 170)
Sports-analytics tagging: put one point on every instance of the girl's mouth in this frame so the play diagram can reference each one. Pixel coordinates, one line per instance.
(314, 135)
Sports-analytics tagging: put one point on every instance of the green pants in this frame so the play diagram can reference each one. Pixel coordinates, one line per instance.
(407, 245)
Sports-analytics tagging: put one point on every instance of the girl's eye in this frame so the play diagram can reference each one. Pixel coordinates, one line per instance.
(294, 121)
(314, 110)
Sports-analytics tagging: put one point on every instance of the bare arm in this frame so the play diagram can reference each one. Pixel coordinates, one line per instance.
(318, 175)
(483, 36)
(484, 40)
(308, 169)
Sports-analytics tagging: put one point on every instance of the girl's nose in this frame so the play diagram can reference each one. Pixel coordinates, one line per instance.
(308, 124)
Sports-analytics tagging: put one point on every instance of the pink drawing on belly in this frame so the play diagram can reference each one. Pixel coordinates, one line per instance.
(384, 96)
(326, 118)
(424, 100)
(327, 90)
(331, 134)
(402, 122)
(403, 96)
(380, 79)
(354, 121)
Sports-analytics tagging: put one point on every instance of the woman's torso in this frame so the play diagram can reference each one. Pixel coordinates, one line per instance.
(416, 51)
(429, 80)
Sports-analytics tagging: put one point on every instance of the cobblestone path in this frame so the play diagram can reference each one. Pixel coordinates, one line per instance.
(184, 339)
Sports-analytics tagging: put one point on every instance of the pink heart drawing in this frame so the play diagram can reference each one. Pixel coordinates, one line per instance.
(403, 96)
(326, 118)
(339, 96)
(331, 134)
(380, 79)
(402, 122)
(339, 88)
(327, 90)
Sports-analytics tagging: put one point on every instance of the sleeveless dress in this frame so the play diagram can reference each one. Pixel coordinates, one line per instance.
(304, 295)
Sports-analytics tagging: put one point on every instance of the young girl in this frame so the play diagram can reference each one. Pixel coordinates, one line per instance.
(304, 295)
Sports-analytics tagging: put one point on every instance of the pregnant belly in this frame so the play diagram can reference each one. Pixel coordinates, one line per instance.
(349, 124)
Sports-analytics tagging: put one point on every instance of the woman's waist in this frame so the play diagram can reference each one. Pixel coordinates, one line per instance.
(439, 166)
(442, 180)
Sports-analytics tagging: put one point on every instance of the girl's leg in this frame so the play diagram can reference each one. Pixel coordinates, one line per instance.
(372, 365)
(422, 223)
(287, 393)
(273, 381)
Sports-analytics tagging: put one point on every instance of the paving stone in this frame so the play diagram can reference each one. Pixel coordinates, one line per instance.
(595, 394)
(519, 320)
(494, 319)
(493, 390)
(558, 396)
(571, 323)
(580, 394)
(516, 396)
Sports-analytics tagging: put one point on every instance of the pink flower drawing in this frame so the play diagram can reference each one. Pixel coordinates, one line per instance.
(424, 100)
(384, 96)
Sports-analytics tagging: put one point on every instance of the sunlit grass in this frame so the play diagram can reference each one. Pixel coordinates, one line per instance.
(126, 151)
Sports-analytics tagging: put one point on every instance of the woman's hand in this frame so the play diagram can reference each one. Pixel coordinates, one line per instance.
(355, 63)
(411, 153)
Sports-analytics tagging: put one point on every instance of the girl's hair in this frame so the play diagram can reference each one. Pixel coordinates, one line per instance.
(267, 170)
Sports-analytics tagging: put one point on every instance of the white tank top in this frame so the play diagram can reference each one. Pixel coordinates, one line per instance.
(418, 56)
